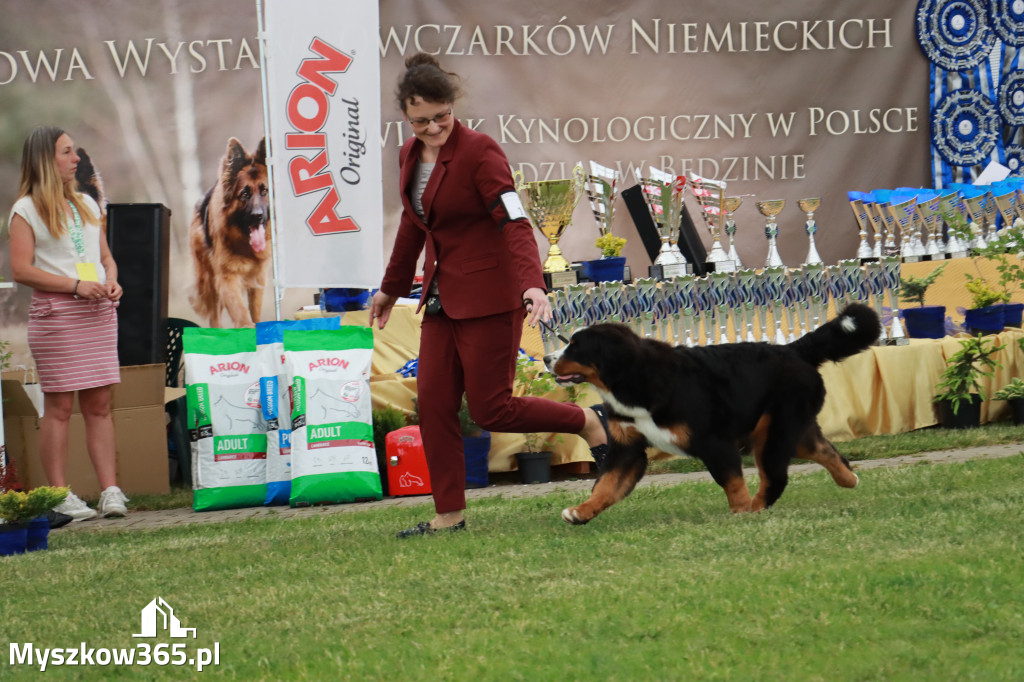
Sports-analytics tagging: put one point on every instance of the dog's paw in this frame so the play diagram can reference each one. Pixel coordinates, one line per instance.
(573, 516)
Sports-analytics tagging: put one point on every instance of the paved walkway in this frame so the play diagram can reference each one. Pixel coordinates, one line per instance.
(147, 520)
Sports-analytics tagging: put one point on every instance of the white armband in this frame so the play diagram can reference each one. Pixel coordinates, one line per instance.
(513, 205)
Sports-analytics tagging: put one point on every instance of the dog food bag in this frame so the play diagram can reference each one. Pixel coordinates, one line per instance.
(226, 425)
(333, 458)
(276, 400)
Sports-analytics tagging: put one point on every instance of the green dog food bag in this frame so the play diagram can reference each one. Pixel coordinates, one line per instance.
(333, 458)
(227, 429)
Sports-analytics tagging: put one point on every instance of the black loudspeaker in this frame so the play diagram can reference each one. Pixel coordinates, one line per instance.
(689, 241)
(139, 236)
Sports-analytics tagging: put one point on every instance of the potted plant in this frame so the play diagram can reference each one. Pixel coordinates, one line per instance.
(533, 381)
(385, 420)
(611, 266)
(476, 446)
(1005, 251)
(959, 393)
(923, 322)
(987, 314)
(25, 526)
(1013, 393)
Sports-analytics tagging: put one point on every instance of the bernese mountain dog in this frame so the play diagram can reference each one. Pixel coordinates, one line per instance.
(709, 402)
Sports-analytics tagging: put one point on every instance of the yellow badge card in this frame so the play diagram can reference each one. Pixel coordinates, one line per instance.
(87, 272)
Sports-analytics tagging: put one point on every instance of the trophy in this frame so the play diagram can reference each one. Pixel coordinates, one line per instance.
(891, 272)
(928, 212)
(974, 201)
(877, 285)
(600, 186)
(769, 209)
(613, 300)
(550, 204)
(746, 281)
(667, 305)
(949, 207)
(775, 285)
(1006, 202)
(731, 205)
(817, 294)
(903, 210)
(861, 214)
(854, 281)
(881, 206)
(762, 302)
(710, 195)
(704, 306)
(877, 218)
(720, 285)
(646, 289)
(790, 301)
(664, 196)
(809, 206)
(687, 305)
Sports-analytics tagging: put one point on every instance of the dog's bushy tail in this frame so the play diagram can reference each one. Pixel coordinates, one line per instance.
(856, 328)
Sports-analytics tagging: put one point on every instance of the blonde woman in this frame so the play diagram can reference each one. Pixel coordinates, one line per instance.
(58, 248)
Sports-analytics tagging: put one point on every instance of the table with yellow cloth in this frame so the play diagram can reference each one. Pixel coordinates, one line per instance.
(886, 389)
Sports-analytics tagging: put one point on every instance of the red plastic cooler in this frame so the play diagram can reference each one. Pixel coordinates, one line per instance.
(407, 464)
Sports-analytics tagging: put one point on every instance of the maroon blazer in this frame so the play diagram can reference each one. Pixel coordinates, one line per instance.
(483, 261)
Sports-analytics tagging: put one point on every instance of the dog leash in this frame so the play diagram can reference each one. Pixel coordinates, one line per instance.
(529, 306)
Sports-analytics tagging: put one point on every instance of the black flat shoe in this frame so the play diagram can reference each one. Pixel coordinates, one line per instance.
(423, 528)
(57, 519)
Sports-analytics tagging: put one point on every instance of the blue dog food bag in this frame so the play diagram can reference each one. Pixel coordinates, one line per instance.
(228, 432)
(333, 458)
(276, 400)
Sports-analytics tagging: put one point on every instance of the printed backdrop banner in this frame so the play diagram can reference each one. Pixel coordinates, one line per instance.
(323, 93)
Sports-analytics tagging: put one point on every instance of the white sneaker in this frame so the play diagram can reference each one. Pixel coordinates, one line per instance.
(75, 508)
(112, 503)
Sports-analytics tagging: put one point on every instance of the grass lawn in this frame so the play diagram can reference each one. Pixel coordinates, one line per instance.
(914, 575)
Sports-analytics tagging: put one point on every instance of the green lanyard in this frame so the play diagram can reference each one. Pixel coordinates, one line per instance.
(76, 233)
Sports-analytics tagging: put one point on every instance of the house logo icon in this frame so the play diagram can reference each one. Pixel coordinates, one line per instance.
(158, 615)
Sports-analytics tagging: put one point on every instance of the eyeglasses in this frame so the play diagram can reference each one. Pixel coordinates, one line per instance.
(440, 119)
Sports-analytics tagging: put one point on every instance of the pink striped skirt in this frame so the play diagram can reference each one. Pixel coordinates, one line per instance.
(73, 341)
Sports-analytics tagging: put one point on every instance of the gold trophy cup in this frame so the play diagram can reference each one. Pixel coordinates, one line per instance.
(770, 209)
(550, 204)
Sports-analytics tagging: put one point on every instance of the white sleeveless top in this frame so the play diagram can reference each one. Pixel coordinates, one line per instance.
(58, 256)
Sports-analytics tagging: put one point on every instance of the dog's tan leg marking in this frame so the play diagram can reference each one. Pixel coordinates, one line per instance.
(757, 440)
(738, 495)
(816, 448)
(232, 288)
(612, 487)
(255, 303)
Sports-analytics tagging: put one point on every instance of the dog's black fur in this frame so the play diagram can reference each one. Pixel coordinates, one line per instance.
(709, 402)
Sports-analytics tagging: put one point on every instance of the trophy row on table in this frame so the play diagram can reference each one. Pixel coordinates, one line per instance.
(935, 224)
(774, 305)
(550, 205)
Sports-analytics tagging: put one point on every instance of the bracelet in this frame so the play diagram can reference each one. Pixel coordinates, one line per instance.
(77, 282)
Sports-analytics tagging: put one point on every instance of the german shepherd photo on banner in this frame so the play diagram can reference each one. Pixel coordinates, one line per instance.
(230, 239)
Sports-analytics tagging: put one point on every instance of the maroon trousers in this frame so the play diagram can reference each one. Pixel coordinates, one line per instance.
(476, 356)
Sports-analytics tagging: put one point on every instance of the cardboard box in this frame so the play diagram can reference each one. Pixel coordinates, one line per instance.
(140, 429)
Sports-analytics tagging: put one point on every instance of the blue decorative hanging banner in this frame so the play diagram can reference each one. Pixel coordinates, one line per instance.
(965, 127)
(955, 34)
(1015, 159)
(1011, 97)
(1007, 18)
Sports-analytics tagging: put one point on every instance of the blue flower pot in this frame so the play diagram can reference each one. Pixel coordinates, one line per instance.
(605, 269)
(13, 538)
(988, 320)
(38, 534)
(925, 322)
(477, 450)
(1013, 312)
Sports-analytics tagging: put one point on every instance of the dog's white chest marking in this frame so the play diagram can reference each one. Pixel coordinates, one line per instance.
(663, 439)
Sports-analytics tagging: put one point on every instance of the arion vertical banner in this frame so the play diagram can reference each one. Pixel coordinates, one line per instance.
(323, 80)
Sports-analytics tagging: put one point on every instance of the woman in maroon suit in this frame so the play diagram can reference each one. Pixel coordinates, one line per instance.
(481, 265)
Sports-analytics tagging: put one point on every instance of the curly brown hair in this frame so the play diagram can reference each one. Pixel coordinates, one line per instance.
(424, 78)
